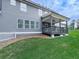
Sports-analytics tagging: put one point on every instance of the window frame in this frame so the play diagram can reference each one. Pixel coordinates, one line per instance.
(20, 24)
(46, 12)
(13, 2)
(26, 24)
(23, 7)
(37, 25)
(40, 12)
(32, 24)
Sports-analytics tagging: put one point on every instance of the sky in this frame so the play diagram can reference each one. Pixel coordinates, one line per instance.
(69, 8)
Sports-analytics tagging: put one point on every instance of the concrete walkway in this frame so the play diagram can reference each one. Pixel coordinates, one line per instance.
(8, 42)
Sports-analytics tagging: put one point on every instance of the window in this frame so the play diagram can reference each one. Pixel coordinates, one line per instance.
(37, 24)
(32, 24)
(20, 23)
(23, 7)
(26, 24)
(40, 12)
(46, 12)
(13, 2)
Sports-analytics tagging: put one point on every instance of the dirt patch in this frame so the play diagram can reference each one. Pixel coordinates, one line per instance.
(8, 42)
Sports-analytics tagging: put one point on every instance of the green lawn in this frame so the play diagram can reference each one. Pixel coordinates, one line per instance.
(37, 48)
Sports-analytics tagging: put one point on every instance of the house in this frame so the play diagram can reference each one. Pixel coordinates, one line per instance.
(76, 24)
(26, 17)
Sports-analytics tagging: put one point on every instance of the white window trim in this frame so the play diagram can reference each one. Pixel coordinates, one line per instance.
(40, 12)
(46, 12)
(30, 25)
(39, 26)
(13, 2)
(36, 25)
(23, 24)
(23, 7)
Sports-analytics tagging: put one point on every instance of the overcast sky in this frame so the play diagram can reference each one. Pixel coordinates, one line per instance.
(68, 8)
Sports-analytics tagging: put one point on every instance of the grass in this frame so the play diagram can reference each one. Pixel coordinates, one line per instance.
(38, 48)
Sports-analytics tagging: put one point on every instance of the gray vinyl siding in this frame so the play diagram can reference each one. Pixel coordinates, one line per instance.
(6, 36)
(0, 5)
(10, 15)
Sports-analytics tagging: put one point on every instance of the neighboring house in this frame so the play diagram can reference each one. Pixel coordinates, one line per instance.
(26, 17)
(72, 25)
(76, 24)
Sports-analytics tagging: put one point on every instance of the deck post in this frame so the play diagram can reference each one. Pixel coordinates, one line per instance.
(14, 35)
(60, 25)
(51, 22)
(66, 27)
(52, 26)
(52, 36)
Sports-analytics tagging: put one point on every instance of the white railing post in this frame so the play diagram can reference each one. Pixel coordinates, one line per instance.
(15, 35)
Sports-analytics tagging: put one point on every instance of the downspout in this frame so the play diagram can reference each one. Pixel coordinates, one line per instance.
(0, 5)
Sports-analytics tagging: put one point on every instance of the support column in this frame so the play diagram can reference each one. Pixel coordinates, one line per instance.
(52, 36)
(52, 26)
(60, 25)
(66, 26)
(51, 22)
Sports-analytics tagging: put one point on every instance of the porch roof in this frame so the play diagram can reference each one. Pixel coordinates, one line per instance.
(54, 16)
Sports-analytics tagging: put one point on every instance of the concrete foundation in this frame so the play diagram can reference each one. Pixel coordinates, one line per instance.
(52, 36)
(66, 34)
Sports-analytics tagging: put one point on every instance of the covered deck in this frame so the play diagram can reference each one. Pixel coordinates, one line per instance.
(53, 24)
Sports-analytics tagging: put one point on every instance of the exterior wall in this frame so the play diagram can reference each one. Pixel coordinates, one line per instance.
(10, 15)
(0, 4)
(6, 36)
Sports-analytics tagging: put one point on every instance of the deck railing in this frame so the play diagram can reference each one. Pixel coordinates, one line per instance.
(54, 30)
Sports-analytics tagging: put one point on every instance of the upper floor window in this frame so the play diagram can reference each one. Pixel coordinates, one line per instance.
(40, 12)
(23, 7)
(20, 23)
(46, 12)
(13, 2)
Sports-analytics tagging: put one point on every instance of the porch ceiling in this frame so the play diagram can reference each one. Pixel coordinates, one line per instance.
(49, 20)
(55, 17)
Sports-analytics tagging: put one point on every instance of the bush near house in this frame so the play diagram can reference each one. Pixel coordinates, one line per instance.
(40, 48)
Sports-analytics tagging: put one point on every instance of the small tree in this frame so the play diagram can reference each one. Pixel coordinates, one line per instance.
(72, 25)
